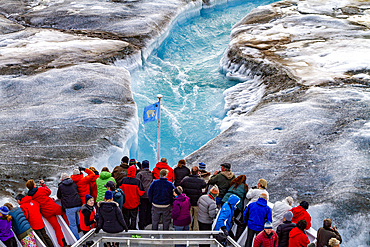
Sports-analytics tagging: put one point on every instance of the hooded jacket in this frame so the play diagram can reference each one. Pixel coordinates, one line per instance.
(93, 187)
(161, 165)
(119, 197)
(120, 172)
(299, 213)
(222, 179)
(239, 191)
(68, 193)
(278, 211)
(133, 189)
(20, 225)
(110, 218)
(83, 183)
(226, 214)
(259, 213)
(104, 177)
(180, 173)
(146, 178)
(264, 240)
(5, 230)
(298, 238)
(192, 186)
(254, 194)
(41, 195)
(181, 210)
(207, 209)
(283, 231)
(31, 210)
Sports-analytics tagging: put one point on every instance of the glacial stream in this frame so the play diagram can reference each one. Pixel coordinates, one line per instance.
(185, 70)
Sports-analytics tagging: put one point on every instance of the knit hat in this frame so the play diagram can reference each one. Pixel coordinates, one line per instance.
(109, 184)
(288, 216)
(4, 210)
(145, 164)
(88, 197)
(263, 183)
(76, 172)
(202, 166)
(108, 195)
(178, 190)
(268, 225)
(214, 190)
(132, 162)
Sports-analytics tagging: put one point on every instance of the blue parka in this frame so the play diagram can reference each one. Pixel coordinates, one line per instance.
(227, 212)
(20, 225)
(259, 213)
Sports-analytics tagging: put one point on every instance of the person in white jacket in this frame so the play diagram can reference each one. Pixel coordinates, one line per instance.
(279, 209)
(254, 193)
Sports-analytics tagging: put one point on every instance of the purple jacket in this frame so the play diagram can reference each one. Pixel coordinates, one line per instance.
(5, 230)
(181, 211)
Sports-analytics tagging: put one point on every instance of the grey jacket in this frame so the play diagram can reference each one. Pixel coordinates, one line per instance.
(207, 209)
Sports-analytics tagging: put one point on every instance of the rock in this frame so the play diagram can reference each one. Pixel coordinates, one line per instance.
(56, 119)
(7, 26)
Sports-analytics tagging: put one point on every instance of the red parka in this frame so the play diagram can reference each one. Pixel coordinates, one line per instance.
(263, 240)
(159, 167)
(93, 187)
(31, 210)
(300, 213)
(47, 205)
(133, 189)
(298, 238)
(83, 183)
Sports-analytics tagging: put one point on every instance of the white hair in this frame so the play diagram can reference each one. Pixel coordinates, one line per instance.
(289, 200)
(64, 176)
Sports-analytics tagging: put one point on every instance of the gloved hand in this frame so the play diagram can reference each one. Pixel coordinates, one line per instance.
(81, 169)
(126, 230)
(223, 228)
(97, 230)
(254, 187)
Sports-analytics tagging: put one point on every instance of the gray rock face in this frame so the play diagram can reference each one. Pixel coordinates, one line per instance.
(302, 117)
(53, 120)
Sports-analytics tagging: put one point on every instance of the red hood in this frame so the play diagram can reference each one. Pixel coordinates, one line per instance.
(25, 199)
(131, 173)
(161, 165)
(295, 232)
(77, 178)
(298, 212)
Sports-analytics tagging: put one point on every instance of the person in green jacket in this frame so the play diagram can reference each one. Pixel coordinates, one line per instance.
(104, 177)
(222, 179)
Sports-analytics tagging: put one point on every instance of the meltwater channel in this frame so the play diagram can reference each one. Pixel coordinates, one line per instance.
(185, 70)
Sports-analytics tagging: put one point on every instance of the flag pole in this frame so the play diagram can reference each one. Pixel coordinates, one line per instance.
(159, 96)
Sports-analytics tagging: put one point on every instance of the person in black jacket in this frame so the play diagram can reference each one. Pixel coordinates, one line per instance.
(71, 202)
(193, 186)
(110, 216)
(284, 229)
(180, 171)
(145, 207)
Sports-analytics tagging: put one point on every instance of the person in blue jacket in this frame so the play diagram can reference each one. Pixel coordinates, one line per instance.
(255, 215)
(227, 212)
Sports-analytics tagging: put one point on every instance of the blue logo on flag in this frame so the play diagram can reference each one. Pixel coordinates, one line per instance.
(151, 112)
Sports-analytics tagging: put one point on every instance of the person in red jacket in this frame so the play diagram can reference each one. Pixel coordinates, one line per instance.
(82, 182)
(163, 165)
(133, 190)
(300, 213)
(87, 215)
(49, 209)
(297, 237)
(93, 187)
(266, 238)
(31, 211)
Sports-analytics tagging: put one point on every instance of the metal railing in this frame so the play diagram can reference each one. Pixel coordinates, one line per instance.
(153, 238)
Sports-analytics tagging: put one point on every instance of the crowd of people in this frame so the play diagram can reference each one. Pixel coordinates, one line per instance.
(190, 199)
